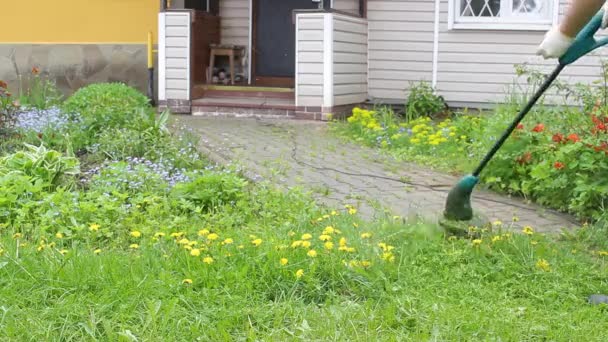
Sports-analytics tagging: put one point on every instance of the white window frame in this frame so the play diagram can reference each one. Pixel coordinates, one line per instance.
(455, 22)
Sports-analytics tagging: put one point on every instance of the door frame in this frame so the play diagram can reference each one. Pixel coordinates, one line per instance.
(265, 81)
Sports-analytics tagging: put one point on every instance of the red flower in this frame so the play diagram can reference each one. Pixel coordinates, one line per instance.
(3, 84)
(558, 137)
(35, 71)
(525, 158)
(600, 126)
(574, 137)
(538, 128)
(520, 126)
(559, 165)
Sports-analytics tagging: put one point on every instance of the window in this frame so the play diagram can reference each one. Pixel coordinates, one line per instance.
(503, 14)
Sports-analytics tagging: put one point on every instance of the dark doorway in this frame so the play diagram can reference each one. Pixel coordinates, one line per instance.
(274, 43)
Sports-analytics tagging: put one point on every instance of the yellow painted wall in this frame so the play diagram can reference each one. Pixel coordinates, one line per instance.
(78, 21)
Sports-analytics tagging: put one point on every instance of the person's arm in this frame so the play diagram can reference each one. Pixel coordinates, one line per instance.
(578, 14)
(559, 38)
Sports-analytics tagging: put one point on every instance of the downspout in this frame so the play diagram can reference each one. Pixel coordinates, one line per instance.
(435, 44)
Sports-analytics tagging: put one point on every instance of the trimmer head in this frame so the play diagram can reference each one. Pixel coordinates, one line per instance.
(458, 205)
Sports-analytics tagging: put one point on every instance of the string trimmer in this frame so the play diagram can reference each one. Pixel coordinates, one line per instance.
(458, 204)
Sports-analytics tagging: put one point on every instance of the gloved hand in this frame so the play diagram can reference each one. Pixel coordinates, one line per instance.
(555, 43)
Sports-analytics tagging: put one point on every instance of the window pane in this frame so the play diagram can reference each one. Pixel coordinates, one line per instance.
(481, 8)
(528, 7)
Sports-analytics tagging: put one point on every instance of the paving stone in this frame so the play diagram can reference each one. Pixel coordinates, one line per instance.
(298, 153)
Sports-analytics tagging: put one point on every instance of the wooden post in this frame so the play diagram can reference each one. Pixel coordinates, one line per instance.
(150, 68)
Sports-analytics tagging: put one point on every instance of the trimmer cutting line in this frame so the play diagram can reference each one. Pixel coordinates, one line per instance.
(458, 205)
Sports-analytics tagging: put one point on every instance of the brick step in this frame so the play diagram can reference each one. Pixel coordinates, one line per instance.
(244, 91)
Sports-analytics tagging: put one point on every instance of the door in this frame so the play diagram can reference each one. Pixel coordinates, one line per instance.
(274, 41)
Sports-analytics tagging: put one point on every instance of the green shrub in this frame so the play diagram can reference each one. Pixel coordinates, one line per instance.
(209, 190)
(422, 101)
(105, 105)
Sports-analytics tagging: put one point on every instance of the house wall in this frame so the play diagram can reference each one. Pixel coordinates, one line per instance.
(348, 6)
(349, 60)
(309, 59)
(174, 52)
(477, 66)
(75, 42)
(400, 46)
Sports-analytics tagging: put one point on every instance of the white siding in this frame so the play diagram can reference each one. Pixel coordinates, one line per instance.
(349, 60)
(234, 22)
(400, 46)
(176, 52)
(348, 6)
(477, 66)
(309, 59)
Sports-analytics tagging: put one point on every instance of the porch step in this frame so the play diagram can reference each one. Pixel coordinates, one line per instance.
(212, 91)
(253, 107)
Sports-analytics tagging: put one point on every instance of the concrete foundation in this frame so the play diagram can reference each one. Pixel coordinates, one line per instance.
(73, 66)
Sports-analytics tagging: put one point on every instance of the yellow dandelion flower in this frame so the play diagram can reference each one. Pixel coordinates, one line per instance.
(40, 248)
(97, 251)
(187, 281)
(366, 235)
(188, 247)
(325, 216)
(177, 234)
(195, 252)
(515, 219)
(497, 223)
(365, 263)
(334, 213)
(328, 245)
(1, 251)
(543, 264)
(159, 234)
(388, 256)
(59, 235)
(528, 230)
(192, 243)
(284, 261)
(94, 227)
(208, 260)
(352, 211)
(350, 249)
(306, 236)
(306, 244)
(299, 273)
(212, 237)
(240, 246)
(312, 253)
(476, 242)
(134, 246)
(496, 238)
(63, 251)
(296, 244)
(228, 241)
(52, 245)
(329, 230)
(355, 224)
(342, 242)
(183, 241)
(324, 237)
(602, 253)
(17, 236)
(257, 242)
(135, 234)
(342, 248)
(203, 232)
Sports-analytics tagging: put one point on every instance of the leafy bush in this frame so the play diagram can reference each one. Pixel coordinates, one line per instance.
(105, 105)
(41, 165)
(209, 190)
(423, 101)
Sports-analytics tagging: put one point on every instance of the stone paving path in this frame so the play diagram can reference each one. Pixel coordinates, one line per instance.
(302, 153)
